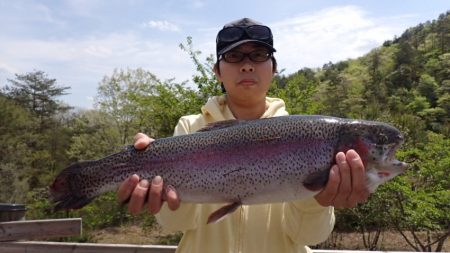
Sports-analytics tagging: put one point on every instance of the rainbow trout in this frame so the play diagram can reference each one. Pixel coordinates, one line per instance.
(241, 162)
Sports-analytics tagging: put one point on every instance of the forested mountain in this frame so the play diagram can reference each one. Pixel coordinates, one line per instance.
(405, 81)
(409, 75)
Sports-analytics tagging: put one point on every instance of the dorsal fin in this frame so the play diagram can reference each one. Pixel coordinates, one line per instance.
(220, 125)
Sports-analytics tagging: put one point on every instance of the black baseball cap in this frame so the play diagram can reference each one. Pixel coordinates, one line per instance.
(242, 31)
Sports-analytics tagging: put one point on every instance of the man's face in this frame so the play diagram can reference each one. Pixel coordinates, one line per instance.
(246, 80)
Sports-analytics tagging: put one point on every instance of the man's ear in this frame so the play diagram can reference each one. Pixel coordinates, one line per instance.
(217, 72)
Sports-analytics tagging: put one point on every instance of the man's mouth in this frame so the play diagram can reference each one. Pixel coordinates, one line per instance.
(247, 82)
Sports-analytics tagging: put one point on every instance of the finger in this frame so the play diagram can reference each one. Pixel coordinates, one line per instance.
(155, 195)
(138, 196)
(126, 188)
(172, 198)
(345, 186)
(327, 195)
(141, 141)
(359, 190)
(364, 196)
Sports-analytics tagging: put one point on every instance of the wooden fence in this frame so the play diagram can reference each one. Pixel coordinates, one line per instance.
(53, 247)
(59, 247)
(12, 231)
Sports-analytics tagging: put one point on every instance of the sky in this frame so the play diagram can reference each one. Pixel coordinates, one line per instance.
(78, 42)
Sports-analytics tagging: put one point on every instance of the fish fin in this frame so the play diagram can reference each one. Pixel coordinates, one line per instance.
(72, 202)
(317, 181)
(220, 125)
(222, 212)
(124, 148)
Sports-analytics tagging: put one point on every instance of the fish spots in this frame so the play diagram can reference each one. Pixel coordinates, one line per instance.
(272, 157)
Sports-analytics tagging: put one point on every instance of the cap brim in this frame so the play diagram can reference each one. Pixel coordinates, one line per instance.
(238, 43)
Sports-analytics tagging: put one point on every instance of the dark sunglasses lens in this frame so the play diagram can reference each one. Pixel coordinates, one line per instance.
(230, 34)
(259, 32)
(255, 56)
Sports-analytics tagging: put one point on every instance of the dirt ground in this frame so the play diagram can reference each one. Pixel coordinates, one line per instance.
(133, 234)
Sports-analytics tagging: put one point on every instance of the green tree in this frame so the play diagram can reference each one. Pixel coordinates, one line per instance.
(94, 135)
(118, 97)
(168, 105)
(16, 125)
(38, 93)
(334, 89)
(298, 91)
(205, 79)
(421, 198)
(138, 102)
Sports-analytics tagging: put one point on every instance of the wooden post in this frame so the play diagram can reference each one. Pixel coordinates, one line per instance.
(39, 229)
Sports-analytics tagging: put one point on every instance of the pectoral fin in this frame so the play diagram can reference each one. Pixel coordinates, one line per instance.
(222, 212)
(316, 181)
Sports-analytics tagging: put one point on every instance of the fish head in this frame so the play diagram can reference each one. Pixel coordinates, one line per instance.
(376, 143)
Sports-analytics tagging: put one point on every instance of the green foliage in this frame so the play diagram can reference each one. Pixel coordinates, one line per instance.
(297, 91)
(36, 92)
(205, 79)
(29, 151)
(172, 239)
(103, 212)
(139, 102)
(118, 97)
(93, 125)
(419, 201)
(168, 105)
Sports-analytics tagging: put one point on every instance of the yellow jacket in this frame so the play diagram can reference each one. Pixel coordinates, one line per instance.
(268, 228)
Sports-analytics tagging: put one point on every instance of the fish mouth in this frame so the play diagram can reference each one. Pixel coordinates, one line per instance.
(393, 147)
(389, 160)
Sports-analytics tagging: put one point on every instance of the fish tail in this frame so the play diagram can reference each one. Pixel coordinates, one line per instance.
(68, 190)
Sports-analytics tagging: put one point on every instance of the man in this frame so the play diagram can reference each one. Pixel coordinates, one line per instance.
(245, 67)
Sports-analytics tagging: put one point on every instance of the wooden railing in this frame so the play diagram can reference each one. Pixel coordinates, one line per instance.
(50, 247)
(10, 232)
(39, 229)
(60, 247)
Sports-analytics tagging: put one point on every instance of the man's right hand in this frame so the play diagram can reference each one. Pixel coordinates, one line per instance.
(139, 192)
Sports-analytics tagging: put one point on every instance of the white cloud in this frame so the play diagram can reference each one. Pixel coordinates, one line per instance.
(162, 25)
(334, 34)
(81, 63)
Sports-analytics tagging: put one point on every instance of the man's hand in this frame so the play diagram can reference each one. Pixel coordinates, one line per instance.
(139, 192)
(346, 185)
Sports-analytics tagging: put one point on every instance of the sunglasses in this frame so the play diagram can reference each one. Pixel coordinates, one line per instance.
(235, 33)
(260, 55)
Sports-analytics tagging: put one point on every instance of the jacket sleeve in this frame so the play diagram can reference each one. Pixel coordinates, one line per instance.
(307, 222)
(186, 216)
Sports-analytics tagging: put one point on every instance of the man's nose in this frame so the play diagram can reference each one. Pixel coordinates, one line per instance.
(247, 65)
